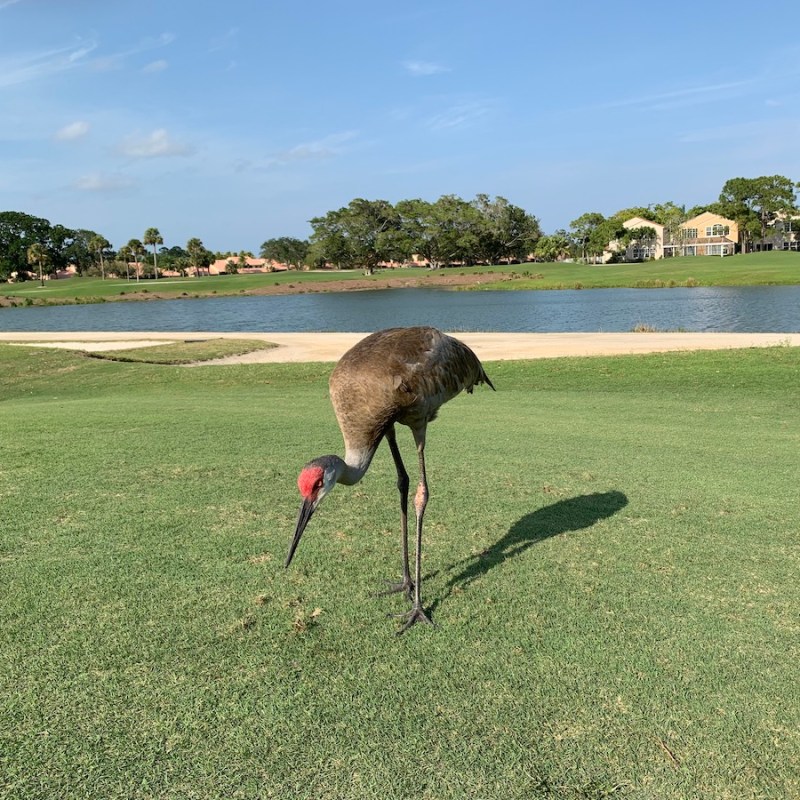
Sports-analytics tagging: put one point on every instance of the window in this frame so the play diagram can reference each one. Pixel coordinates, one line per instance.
(690, 233)
(717, 250)
(717, 230)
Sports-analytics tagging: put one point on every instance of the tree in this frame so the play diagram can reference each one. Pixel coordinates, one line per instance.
(672, 217)
(18, 232)
(78, 251)
(420, 230)
(174, 258)
(645, 236)
(99, 244)
(555, 247)
(441, 232)
(362, 234)
(153, 237)
(57, 247)
(634, 211)
(505, 231)
(199, 257)
(585, 231)
(286, 250)
(126, 254)
(182, 264)
(763, 199)
(37, 254)
(136, 250)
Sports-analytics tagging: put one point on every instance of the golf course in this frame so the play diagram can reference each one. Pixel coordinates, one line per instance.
(610, 559)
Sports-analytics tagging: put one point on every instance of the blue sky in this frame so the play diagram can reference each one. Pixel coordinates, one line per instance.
(238, 121)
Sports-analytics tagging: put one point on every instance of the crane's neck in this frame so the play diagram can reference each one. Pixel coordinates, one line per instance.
(354, 465)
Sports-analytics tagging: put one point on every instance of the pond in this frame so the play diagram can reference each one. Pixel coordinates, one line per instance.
(768, 309)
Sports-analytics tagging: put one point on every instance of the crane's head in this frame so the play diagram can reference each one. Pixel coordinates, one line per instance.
(315, 480)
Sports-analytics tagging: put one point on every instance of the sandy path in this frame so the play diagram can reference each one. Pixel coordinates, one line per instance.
(488, 346)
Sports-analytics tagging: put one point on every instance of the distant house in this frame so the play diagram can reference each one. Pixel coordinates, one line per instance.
(69, 272)
(249, 265)
(783, 233)
(707, 234)
(639, 249)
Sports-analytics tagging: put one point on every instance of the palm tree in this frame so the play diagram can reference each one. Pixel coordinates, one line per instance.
(196, 251)
(99, 244)
(37, 254)
(153, 236)
(136, 248)
(126, 254)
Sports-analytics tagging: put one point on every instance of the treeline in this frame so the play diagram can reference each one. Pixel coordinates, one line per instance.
(367, 233)
(450, 230)
(30, 244)
(370, 232)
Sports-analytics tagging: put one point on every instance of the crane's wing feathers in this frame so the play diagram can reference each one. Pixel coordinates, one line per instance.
(399, 375)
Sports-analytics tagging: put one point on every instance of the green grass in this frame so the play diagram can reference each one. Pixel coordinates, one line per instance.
(743, 270)
(752, 269)
(611, 558)
(96, 289)
(188, 352)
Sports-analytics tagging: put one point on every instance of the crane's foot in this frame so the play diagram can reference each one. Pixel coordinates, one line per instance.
(405, 586)
(417, 614)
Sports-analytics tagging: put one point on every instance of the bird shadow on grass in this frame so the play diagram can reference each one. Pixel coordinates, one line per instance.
(573, 514)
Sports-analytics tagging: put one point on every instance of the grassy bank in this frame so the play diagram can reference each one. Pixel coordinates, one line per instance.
(611, 559)
(96, 290)
(753, 269)
(750, 270)
(188, 352)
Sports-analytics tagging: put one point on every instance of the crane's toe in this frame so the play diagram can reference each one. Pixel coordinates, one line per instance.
(417, 614)
(405, 586)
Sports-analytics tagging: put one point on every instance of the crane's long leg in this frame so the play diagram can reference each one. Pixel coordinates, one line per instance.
(402, 485)
(417, 613)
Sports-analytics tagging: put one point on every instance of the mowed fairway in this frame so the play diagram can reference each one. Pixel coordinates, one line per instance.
(611, 557)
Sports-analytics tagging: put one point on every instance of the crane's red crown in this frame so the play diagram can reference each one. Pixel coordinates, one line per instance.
(310, 480)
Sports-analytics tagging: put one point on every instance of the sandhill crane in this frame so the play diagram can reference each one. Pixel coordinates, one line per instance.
(396, 375)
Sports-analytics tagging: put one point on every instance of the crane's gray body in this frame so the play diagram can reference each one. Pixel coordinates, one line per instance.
(398, 375)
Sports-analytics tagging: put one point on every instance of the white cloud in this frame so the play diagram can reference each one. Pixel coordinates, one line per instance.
(460, 115)
(102, 182)
(144, 45)
(7, 3)
(692, 95)
(322, 148)
(424, 68)
(155, 66)
(154, 145)
(326, 147)
(29, 67)
(75, 130)
(116, 61)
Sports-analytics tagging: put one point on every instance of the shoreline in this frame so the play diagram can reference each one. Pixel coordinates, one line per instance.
(488, 346)
(436, 279)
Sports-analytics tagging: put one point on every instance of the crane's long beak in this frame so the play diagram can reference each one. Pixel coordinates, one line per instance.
(306, 510)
